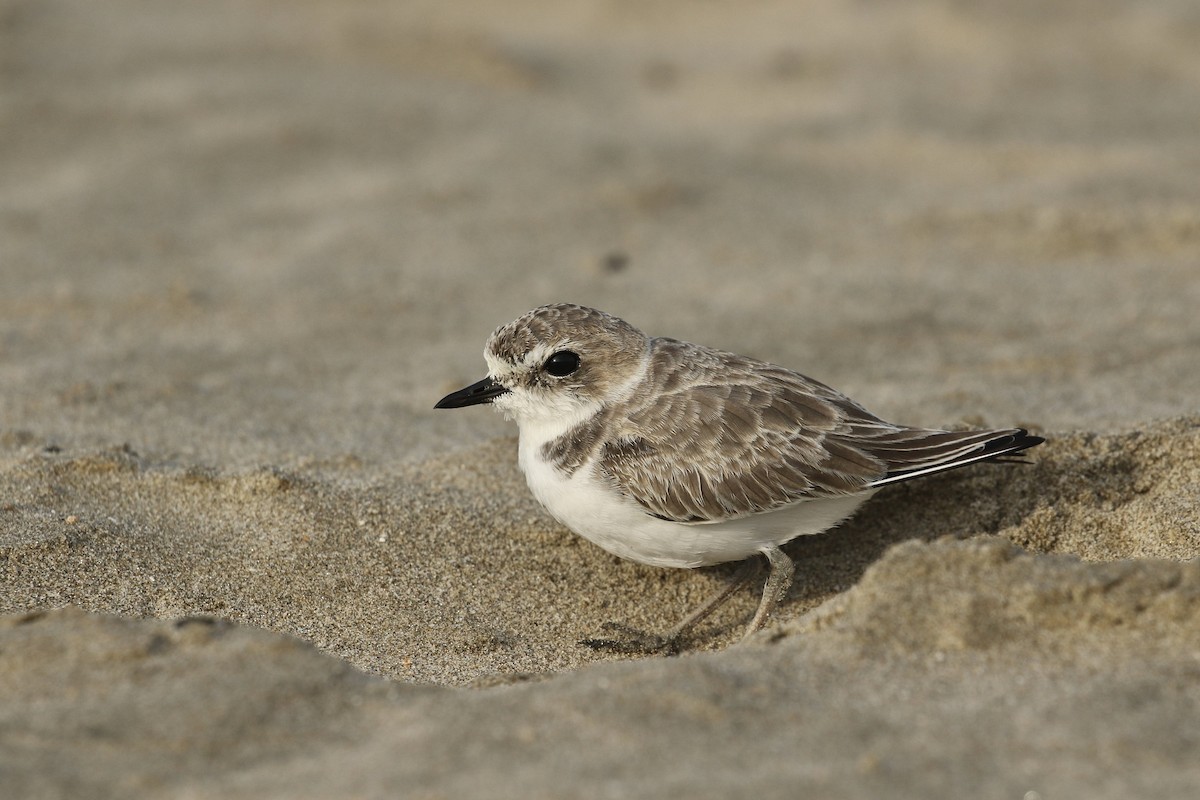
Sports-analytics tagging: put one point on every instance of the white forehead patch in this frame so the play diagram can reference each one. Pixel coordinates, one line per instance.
(499, 368)
(538, 355)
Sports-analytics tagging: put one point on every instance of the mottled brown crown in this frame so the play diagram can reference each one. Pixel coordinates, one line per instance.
(559, 323)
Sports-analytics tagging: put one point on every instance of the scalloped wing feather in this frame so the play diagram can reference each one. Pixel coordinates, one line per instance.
(732, 436)
(714, 436)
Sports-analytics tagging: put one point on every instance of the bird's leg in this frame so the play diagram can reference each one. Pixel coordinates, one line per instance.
(745, 572)
(775, 589)
(634, 641)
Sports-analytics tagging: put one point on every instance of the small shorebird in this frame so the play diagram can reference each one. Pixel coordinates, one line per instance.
(677, 455)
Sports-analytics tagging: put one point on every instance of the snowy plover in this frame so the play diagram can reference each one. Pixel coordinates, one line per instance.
(677, 455)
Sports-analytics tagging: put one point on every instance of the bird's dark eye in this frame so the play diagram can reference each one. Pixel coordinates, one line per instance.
(561, 364)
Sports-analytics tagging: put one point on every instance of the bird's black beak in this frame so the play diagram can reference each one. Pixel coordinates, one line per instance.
(484, 391)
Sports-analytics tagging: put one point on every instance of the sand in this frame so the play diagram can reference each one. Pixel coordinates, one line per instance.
(244, 247)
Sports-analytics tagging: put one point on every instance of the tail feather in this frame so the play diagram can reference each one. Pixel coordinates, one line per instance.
(940, 453)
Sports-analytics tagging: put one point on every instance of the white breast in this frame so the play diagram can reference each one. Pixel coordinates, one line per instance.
(592, 508)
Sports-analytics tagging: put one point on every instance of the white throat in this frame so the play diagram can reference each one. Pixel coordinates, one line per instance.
(537, 430)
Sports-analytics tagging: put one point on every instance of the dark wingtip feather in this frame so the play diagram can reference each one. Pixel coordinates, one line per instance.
(1008, 443)
(1023, 440)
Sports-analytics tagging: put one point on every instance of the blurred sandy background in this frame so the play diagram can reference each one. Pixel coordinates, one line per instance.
(245, 246)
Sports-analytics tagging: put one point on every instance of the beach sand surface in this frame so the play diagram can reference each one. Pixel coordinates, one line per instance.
(245, 246)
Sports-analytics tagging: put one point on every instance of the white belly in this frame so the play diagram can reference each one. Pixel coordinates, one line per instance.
(596, 512)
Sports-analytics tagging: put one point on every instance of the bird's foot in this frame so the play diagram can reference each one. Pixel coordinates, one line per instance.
(631, 641)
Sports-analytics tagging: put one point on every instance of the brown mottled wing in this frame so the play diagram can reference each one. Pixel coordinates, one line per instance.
(727, 436)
